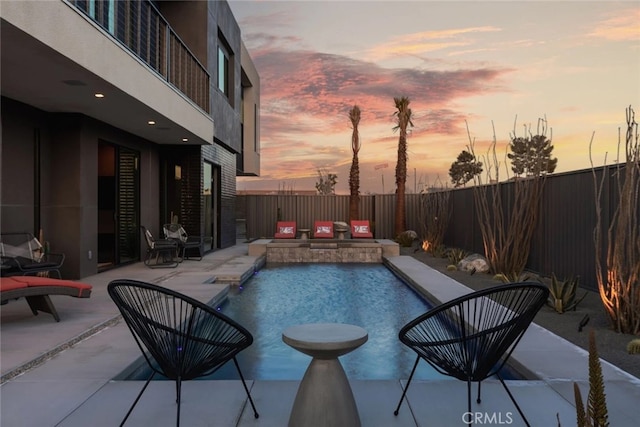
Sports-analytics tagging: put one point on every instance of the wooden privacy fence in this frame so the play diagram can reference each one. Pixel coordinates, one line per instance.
(562, 244)
(261, 212)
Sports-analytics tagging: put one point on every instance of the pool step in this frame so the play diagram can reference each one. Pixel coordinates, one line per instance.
(238, 270)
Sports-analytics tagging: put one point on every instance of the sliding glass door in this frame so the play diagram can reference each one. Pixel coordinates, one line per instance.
(118, 205)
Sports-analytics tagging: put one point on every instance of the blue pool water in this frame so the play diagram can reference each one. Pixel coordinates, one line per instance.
(367, 295)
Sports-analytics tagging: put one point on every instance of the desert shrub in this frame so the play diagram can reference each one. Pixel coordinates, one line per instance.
(405, 240)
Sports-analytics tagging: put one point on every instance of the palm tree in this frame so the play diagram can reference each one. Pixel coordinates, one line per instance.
(354, 174)
(403, 115)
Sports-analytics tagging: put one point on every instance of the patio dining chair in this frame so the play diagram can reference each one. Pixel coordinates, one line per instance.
(180, 338)
(165, 252)
(23, 255)
(472, 337)
(186, 243)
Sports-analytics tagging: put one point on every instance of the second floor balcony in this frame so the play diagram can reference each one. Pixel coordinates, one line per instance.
(56, 55)
(140, 27)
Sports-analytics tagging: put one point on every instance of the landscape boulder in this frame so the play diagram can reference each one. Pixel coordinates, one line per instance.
(409, 234)
(341, 225)
(474, 262)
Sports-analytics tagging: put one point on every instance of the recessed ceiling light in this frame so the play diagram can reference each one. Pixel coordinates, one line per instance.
(151, 122)
(99, 95)
(185, 139)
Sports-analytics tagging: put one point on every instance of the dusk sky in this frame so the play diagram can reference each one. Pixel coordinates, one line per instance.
(481, 64)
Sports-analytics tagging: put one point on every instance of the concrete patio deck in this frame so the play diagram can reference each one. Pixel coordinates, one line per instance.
(61, 374)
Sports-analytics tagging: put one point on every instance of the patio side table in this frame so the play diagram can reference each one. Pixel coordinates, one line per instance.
(304, 233)
(324, 396)
(341, 232)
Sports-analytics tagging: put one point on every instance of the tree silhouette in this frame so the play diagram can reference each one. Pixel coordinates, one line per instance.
(326, 182)
(464, 169)
(531, 156)
(354, 173)
(403, 116)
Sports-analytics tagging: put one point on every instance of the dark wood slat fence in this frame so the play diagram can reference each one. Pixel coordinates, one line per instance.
(563, 242)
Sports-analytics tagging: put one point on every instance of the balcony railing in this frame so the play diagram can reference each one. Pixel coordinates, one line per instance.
(139, 26)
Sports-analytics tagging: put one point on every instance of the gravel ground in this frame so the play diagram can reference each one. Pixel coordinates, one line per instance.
(612, 346)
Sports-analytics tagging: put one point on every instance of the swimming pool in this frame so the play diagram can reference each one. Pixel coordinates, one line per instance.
(279, 296)
(366, 295)
(283, 295)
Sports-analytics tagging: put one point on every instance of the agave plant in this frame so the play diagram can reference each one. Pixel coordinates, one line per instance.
(439, 251)
(455, 255)
(562, 295)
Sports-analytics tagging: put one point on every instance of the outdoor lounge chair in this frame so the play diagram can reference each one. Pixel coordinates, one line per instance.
(185, 242)
(285, 230)
(472, 337)
(323, 230)
(36, 291)
(361, 229)
(164, 251)
(180, 338)
(23, 255)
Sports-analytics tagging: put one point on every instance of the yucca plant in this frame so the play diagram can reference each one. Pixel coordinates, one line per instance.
(562, 294)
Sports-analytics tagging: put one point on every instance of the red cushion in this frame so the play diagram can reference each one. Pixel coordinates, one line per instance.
(285, 230)
(48, 281)
(10, 284)
(323, 229)
(360, 228)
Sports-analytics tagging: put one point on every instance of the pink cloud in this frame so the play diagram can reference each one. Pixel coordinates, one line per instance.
(306, 96)
(300, 84)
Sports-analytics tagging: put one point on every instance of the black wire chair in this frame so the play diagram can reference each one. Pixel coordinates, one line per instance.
(165, 251)
(471, 337)
(23, 255)
(180, 337)
(186, 243)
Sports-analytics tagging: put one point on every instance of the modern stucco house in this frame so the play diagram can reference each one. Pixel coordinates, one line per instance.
(121, 113)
